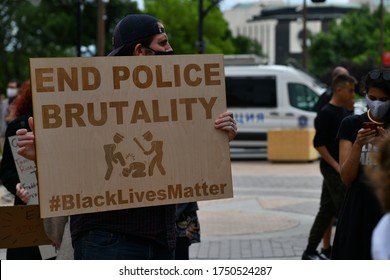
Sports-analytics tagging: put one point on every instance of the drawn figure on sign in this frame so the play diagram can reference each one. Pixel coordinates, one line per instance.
(157, 148)
(136, 169)
(111, 156)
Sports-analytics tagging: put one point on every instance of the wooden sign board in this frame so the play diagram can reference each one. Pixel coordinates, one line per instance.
(21, 226)
(26, 171)
(124, 132)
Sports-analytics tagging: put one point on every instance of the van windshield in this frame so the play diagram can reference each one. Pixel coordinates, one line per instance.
(302, 97)
(244, 92)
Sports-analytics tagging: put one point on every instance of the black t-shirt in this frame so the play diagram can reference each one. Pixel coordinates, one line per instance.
(350, 127)
(323, 99)
(361, 210)
(327, 124)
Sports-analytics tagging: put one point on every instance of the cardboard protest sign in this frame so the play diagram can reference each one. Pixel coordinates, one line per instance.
(124, 132)
(21, 226)
(26, 171)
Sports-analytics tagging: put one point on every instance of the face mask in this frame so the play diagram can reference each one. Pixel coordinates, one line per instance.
(160, 52)
(164, 53)
(378, 109)
(12, 92)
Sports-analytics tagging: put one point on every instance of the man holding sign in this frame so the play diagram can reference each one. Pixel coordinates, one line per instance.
(136, 233)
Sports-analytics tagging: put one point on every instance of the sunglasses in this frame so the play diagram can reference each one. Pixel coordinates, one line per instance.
(376, 74)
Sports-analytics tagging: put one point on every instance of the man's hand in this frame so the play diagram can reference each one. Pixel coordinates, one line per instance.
(226, 122)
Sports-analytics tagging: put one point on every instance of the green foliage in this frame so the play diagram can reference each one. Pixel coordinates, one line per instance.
(354, 41)
(246, 45)
(180, 18)
(49, 30)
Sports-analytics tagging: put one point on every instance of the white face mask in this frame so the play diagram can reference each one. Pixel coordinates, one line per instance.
(12, 92)
(378, 109)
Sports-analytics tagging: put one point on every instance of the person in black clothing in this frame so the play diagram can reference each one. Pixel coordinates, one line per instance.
(322, 101)
(327, 124)
(327, 95)
(8, 172)
(358, 144)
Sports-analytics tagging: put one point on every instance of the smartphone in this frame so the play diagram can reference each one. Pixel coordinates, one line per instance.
(370, 125)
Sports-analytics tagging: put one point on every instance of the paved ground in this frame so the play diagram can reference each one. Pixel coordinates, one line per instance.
(269, 217)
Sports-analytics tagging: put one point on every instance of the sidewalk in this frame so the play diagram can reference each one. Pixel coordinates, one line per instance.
(269, 217)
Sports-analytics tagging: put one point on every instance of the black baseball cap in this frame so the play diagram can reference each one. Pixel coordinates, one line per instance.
(133, 28)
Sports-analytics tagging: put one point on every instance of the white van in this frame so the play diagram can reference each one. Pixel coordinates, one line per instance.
(264, 97)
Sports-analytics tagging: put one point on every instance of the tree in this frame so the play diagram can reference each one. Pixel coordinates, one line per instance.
(180, 18)
(245, 45)
(354, 41)
(49, 29)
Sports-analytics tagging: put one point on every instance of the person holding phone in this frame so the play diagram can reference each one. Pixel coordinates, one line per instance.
(358, 141)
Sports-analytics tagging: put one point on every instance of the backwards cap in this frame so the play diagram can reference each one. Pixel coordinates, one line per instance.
(133, 28)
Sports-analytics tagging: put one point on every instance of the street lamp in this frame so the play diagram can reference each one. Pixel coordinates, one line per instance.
(202, 15)
(382, 34)
(101, 23)
(79, 26)
(304, 35)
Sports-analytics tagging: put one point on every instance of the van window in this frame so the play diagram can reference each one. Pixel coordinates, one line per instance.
(243, 92)
(302, 97)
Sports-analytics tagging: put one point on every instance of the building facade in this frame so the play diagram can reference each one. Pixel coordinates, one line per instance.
(279, 27)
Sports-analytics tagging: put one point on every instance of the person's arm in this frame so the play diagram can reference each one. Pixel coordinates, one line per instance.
(349, 161)
(26, 141)
(323, 151)
(350, 155)
(226, 122)
(8, 172)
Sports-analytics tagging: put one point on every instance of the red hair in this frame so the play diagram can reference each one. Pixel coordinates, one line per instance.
(23, 101)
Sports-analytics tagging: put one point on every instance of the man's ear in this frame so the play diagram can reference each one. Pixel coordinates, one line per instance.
(138, 50)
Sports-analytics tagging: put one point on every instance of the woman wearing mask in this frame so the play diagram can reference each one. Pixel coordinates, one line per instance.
(358, 137)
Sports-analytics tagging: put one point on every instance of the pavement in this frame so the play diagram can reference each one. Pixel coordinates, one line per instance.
(269, 217)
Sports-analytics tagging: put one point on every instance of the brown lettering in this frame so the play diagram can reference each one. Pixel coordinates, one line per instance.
(140, 113)
(74, 112)
(174, 110)
(208, 106)
(188, 104)
(41, 79)
(214, 189)
(63, 78)
(91, 114)
(176, 73)
(159, 78)
(86, 72)
(156, 113)
(51, 116)
(208, 74)
(120, 73)
(119, 110)
(187, 75)
(148, 75)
